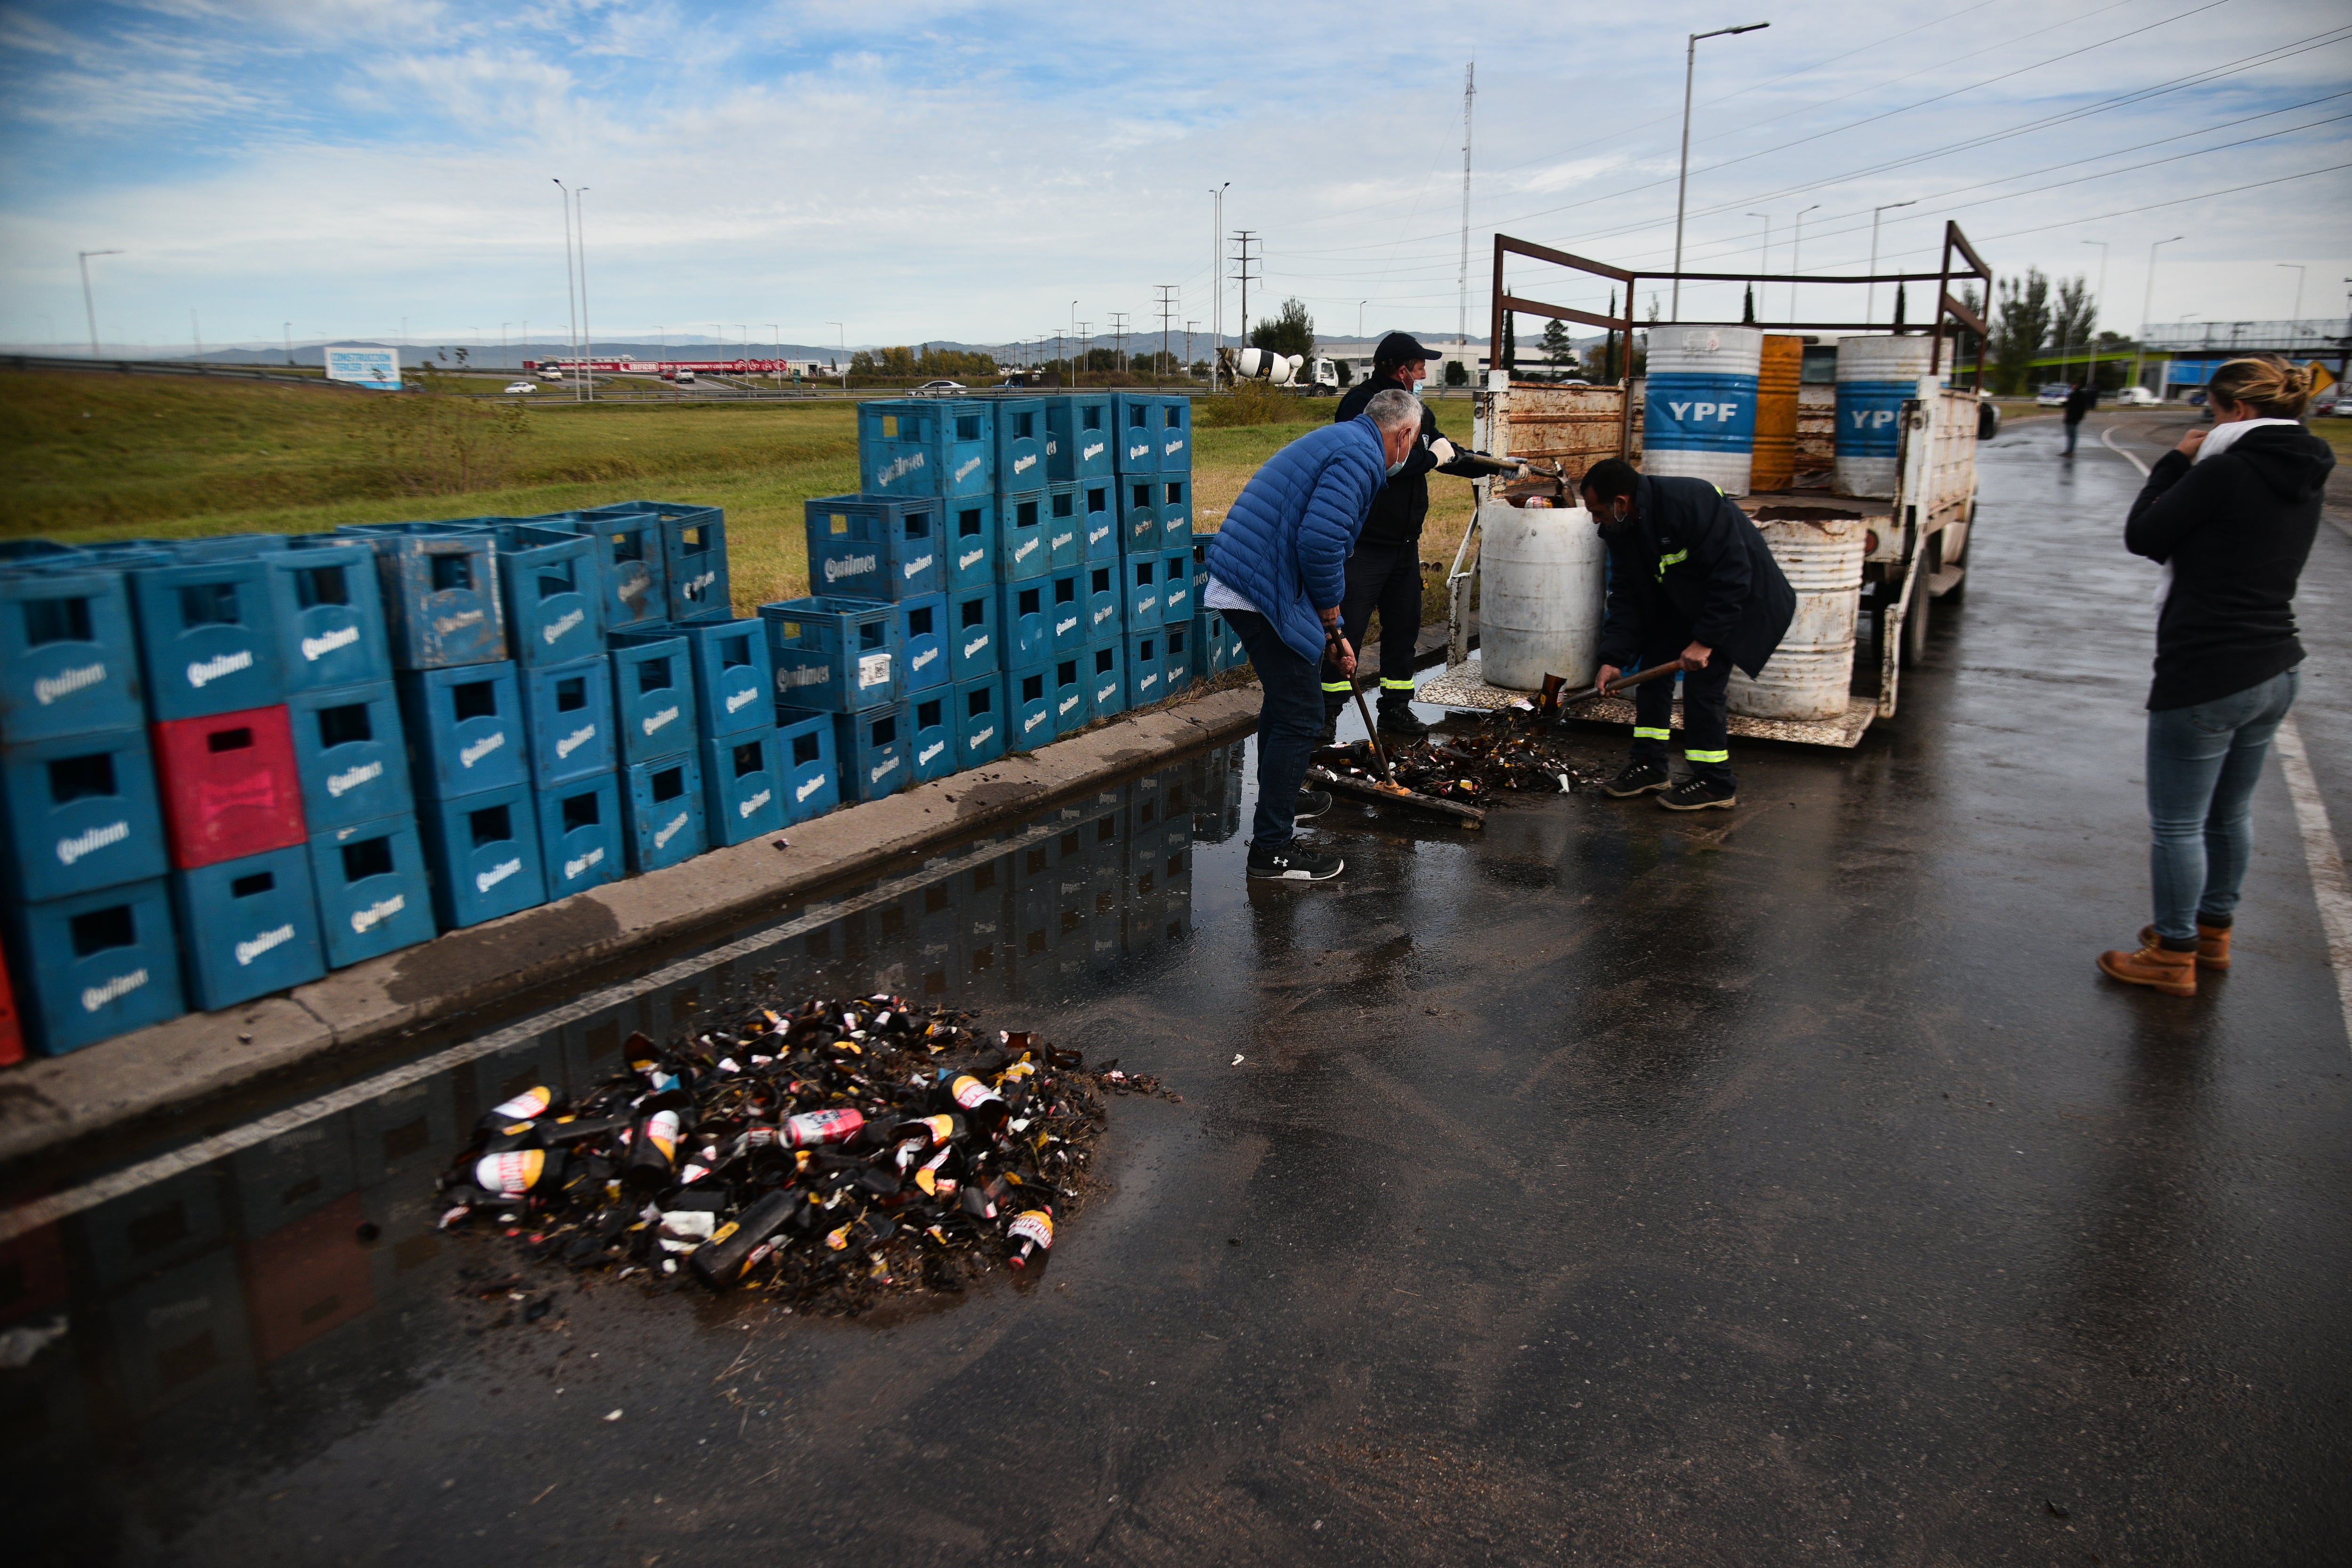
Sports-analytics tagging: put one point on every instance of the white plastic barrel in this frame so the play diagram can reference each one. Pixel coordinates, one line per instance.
(1807, 674)
(1539, 601)
(1698, 411)
(1874, 377)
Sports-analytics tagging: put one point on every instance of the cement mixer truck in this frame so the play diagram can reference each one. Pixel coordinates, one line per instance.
(1312, 375)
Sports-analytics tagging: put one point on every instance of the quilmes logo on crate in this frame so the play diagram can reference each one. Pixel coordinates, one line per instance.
(203, 672)
(573, 742)
(483, 881)
(1141, 448)
(965, 562)
(383, 909)
(915, 665)
(669, 830)
(1022, 464)
(1020, 552)
(978, 640)
(444, 625)
(746, 807)
(970, 467)
(482, 748)
(891, 473)
(1089, 453)
(806, 675)
(815, 782)
(319, 647)
(1072, 700)
(94, 997)
(1033, 722)
(1066, 622)
(553, 631)
(855, 567)
(661, 720)
(254, 947)
(982, 737)
(1108, 613)
(72, 849)
(923, 758)
(741, 700)
(573, 868)
(47, 688)
(342, 783)
(916, 568)
(882, 770)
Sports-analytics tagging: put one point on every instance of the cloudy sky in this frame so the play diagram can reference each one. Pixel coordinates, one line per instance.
(957, 168)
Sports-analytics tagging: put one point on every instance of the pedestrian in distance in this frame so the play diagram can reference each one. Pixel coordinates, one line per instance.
(1689, 579)
(2079, 404)
(2230, 514)
(1384, 573)
(1278, 571)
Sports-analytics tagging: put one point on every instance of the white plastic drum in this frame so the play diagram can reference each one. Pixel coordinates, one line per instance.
(1807, 674)
(1874, 377)
(1698, 410)
(1539, 599)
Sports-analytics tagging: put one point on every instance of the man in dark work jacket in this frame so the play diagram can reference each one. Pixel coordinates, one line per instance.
(1384, 573)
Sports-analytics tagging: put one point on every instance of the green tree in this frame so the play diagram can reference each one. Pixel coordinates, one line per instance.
(1455, 376)
(1290, 330)
(2020, 325)
(2076, 316)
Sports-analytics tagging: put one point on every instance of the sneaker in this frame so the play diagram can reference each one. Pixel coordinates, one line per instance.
(1293, 863)
(1397, 722)
(1698, 794)
(1312, 803)
(1639, 778)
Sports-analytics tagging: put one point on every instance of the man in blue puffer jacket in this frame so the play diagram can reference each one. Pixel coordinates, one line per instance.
(1277, 570)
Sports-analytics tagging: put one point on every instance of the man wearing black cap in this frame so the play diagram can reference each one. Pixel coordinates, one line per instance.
(1384, 573)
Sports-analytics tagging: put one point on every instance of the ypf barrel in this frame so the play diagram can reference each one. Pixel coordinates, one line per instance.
(1874, 377)
(1774, 466)
(1698, 420)
(1808, 675)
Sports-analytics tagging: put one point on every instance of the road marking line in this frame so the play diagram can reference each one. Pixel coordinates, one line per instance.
(2321, 850)
(2107, 430)
(37, 1212)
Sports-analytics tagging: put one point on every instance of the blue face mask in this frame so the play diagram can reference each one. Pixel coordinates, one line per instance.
(1395, 468)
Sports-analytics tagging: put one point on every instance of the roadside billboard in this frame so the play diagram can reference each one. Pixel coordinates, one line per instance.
(379, 368)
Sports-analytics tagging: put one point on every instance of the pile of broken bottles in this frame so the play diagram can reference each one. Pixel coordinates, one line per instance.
(827, 1154)
(1517, 750)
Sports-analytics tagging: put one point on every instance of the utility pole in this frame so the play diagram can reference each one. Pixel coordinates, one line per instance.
(289, 343)
(1682, 180)
(2091, 349)
(502, 345)
(1074, 343)
(1247, 237)
(1118, 337)
(2291, 320)
(1217, 266)
(1188, 329)
(2147, 299)
(88, 308)
(195, 332)
(570, 295)
(1462, 282)
(1167, 308)
(1797, 261)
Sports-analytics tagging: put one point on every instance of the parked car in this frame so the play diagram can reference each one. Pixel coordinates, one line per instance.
(522, 386)
(940, 389)
(2333, 404)
(2053, 395)
(2136, 398)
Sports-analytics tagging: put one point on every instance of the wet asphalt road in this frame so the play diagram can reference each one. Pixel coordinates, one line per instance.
(1781, 1187)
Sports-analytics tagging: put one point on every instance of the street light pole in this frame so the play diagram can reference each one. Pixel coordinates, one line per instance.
(2146, 302)
(1870, 297)
(2298, 296)
(571, 292)
(289, 343)
(1682, 180)
(1765, 265)
(88, 308)
(2090, 348)
(1217, 266)
(1797, 259)
(587, 333)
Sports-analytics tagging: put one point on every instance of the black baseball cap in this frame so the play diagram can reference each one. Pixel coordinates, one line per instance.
(1399, 347)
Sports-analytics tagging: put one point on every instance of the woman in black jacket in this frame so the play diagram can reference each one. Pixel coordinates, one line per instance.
(2230, 513)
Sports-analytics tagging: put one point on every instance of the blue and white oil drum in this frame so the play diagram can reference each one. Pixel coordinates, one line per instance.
(1875, 376)
(1699, 419)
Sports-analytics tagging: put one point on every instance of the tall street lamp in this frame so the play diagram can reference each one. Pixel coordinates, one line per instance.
(1797, 259)
(2147, 300)
(1765, 265)
(571, 284)
(2298, 295)
(88, 308)
(2090, 348)
(1217, 267)
(1870, 297)
(1682, 180)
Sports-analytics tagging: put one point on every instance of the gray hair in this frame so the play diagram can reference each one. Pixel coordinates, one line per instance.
(1395, 409)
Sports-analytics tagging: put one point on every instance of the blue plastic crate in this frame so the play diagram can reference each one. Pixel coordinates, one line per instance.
(1028, 707)
(569, 720)
(734, 679)
(1140, 585)
(78, 813)
(1026, 622)
(580, 835)
(912, 558)
(923, 641)
(975, 647)
(1020, 443)
(977, 709)
(742, 786)
(18, 552)
(249, 927)
(1176, 595)
(812, 777)
(465, 728)
(834, 655)
(1072, 688)
(352, 751)
(871, 748)
(1066, 543)
(926, 446)
(1078, 431)
(207, 639)
(930, 734)
(1175, 657)
(440, 587)
(1066, 608)
(1099, 536)
(653, 695)
(483, 853)
(329, 609)
(1176, 510)
(1023, 551)
(694, 554)
(1146, 673)
(1105, 597)
(1138, 419)
(1138, 514)
(632, 573)
(374, 896)
(1107, 677)
(69, 657)
(548, 589)
(93, 965)
(1175, 435)
(970, 543)
(661, 812)
(1207, 642)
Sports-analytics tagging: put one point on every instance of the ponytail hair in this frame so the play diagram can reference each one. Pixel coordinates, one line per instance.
(2271, 386)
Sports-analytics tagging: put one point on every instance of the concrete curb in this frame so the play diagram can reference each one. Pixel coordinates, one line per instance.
(48, 1103)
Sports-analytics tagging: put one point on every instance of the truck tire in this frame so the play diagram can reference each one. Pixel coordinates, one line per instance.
(1914, 623)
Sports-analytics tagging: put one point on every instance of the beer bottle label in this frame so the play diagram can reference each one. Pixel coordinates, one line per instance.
(1033, 1224)
(812, 1128)
(970, 1093)
(661, 1130)
(839, 1239)
(510, 1174)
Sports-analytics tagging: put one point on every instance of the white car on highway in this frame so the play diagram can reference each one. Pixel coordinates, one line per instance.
(522, 386)
(2053, 394)
(2136, 398)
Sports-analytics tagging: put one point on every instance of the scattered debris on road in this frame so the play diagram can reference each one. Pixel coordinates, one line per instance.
(1511, 751)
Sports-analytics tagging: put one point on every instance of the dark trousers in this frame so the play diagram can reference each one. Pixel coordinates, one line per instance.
(2074, 430)
(1387, 578)
(1706, 739)
(1289, 721)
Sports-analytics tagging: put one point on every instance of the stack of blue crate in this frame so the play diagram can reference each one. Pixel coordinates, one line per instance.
(1154, 453)
(659, 729)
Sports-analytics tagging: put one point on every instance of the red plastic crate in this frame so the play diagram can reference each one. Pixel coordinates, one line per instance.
(12, 1037)
(229, 786)
(306, 1279)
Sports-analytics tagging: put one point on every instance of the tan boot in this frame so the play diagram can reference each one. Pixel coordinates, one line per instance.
(2174, 973)
(2212, 944)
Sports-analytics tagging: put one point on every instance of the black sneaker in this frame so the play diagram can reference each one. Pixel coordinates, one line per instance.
(1293, 863)
(1698, 794)
(1639, 778)
(1396, 721)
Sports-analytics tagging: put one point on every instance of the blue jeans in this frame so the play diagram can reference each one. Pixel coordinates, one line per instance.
(1288, 721)
(2073, 430)
(2203, 763)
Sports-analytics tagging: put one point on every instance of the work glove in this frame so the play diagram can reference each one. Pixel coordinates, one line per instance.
(1443, 450)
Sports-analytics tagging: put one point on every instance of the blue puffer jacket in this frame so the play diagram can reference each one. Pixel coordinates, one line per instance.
(1285, 545)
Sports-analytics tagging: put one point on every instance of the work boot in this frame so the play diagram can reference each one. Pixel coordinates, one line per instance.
(1397, 722)
(1293, 863)
(1329, 736)
(1639, 778)
(1696, 793)
(1312, 803)
(2168, 969)
(2212, 944)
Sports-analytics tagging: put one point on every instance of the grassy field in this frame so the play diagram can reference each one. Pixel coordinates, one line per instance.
(91, 456)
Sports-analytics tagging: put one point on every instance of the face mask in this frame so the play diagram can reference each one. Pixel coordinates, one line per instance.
(1395, 468)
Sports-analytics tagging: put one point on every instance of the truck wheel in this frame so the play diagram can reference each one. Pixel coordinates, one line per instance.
(1914, 625)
